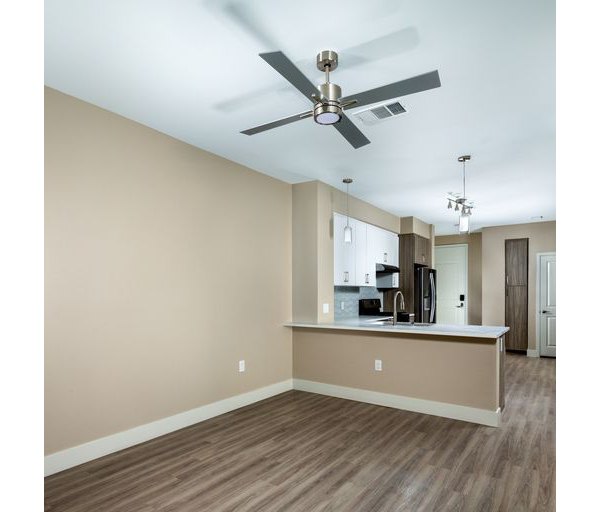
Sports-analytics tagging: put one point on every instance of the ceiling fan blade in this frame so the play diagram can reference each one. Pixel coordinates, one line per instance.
(279, 122)
(394, 43)
(245, 17)
(412, 85)
(351, 133)
(286, 68)
(389, 45)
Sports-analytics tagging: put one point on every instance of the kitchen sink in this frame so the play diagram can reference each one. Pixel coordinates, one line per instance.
(388, 321)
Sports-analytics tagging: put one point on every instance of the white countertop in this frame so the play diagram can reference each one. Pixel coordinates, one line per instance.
(371, 324)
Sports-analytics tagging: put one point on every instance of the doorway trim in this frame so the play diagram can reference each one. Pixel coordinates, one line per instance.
(538, 299)
(466, 246)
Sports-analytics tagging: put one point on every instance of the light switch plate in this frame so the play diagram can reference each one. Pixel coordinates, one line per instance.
(378, 365)
(242, 366)
(325, 308)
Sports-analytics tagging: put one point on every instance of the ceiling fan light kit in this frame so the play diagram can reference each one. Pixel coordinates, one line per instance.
(328, 102)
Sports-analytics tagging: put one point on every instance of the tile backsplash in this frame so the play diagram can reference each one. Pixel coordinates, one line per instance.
(349, 295)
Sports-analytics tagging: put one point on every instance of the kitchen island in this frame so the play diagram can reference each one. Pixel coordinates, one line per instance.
(446, 370)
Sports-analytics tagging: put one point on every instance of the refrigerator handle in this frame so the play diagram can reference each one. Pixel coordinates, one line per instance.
(432, 312)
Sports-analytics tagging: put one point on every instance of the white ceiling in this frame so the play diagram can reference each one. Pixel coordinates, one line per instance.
(191, 69)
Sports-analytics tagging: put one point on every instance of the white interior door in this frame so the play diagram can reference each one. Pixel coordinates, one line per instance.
(547, 304)
(451, 266)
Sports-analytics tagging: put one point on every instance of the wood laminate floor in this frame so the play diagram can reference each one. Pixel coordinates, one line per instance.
(300, 452)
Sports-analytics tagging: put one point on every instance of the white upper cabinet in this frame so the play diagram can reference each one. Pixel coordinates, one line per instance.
(391, 253)
(344, 253)
(384, 245)
(365, 264)
(354, 263)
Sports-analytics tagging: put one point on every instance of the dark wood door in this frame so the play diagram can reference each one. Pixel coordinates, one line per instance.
(516, 302)
(517, 258)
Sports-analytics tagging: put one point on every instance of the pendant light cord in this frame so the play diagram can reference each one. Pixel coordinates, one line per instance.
(347, 208)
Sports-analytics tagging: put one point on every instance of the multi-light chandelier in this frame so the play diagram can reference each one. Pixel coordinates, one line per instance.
(459, 202)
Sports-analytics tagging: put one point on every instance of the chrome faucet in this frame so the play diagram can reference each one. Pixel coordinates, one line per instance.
(395, 318)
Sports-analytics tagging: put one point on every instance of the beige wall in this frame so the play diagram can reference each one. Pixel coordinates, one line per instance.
(336, 202)
(414, 225)
(474, 271)
(305, 252)
(418, 367)
(165, 265)
(542, 238)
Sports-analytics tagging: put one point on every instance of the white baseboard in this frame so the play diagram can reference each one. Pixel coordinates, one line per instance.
(86, 452)
(453, 411)
(70, 457)
(533, 352)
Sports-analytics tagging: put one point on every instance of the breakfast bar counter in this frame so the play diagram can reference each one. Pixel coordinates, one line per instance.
(379, 324)
(454, 371)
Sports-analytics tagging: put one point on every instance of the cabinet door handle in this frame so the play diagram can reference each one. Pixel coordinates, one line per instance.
(367, 278)
(346, 277)
(385, 257)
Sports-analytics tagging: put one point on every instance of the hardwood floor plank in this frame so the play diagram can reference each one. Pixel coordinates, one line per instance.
(300, 452)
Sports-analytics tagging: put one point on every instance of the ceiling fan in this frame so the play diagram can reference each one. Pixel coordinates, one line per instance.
(329, 104)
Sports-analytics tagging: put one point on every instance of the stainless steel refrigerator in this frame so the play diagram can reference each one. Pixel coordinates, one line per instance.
(425, 294)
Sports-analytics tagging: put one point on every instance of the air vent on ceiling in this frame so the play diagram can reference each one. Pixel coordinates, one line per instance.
(377, 114)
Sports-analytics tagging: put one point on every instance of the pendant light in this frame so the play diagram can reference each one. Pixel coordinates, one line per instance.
(463, 219)
(461, 204)
(347, 229)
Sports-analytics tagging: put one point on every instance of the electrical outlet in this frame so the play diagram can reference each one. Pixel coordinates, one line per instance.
(378, 365)
(325, 308)
(342, 305)
(241, 366)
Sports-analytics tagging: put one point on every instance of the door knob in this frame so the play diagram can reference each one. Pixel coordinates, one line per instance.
(461, 306)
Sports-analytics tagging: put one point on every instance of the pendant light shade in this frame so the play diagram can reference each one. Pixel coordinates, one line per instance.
(347, 229)
(463, 223)
(348, 234)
